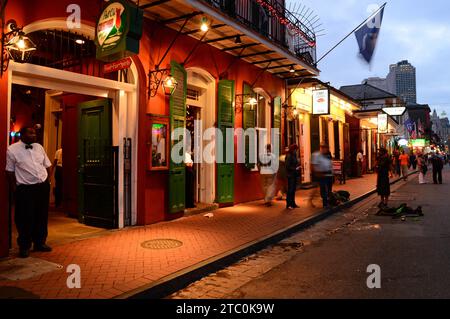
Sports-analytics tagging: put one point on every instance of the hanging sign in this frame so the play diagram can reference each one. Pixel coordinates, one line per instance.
(118, 31)
(382, 123)
(321, 102)
(394, 111)
(117, 65)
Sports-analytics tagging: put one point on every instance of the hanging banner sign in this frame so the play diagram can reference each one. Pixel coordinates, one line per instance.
(394, 111)
(321, 102)
(382, 123)
(117, 65)
(118, 31)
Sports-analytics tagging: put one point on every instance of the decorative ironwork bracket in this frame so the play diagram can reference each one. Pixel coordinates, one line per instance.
(155, 79)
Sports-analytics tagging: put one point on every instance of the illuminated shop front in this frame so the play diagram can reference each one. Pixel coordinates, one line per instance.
(318, 115)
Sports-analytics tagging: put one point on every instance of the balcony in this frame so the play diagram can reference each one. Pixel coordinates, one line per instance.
(273, 21)
(260, 32)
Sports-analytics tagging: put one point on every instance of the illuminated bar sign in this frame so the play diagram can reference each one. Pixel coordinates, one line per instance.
(321, 102)
(118, 31)
(382, 123)
(418, 142)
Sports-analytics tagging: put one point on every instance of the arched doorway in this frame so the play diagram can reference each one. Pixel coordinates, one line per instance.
(59, 82)
(201, 106)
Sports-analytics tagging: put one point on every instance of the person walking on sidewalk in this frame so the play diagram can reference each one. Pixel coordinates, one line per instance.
(323, 170)
(292, 167)
(268, 174)
(438, 165)
(422, 167)
(28, 171)
(384, 171)
(404, 164)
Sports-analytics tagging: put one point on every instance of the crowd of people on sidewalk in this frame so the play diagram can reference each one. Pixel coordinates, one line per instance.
(387, 166)
(399, 164)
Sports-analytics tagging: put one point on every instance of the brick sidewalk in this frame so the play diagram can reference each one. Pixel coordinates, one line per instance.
(116, 263)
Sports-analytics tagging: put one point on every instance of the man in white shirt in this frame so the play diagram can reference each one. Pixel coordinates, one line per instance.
(268, 167)
(323, 171)
(28, 168)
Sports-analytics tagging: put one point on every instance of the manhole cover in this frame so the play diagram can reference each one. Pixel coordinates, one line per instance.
(161, 244)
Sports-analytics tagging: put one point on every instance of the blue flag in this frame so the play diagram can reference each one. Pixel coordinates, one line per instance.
(367, 35)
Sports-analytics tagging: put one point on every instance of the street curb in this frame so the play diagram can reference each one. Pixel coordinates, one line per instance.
(180, 279)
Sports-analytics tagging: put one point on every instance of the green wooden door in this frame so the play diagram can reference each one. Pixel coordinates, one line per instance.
(225, 171)
(177, 176)
(249, 121)
(97, 162)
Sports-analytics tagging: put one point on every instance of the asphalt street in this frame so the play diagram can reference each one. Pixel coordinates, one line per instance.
(413, 255)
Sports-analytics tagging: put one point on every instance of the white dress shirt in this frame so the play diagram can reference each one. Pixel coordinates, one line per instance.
(29, 165)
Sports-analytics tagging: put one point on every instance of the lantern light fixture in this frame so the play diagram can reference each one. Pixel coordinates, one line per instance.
(169, 85)
(204, 24)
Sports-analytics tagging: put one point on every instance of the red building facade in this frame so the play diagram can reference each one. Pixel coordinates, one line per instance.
(206, 65)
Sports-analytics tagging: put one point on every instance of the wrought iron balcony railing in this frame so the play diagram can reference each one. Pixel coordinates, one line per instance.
(271, 19)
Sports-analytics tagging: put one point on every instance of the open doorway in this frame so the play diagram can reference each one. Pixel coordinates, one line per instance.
(57, 117)
(201, 88)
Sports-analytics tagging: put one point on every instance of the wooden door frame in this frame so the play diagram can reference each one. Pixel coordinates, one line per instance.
(125, 106)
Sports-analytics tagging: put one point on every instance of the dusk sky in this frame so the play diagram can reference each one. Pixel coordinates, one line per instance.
(418, 31)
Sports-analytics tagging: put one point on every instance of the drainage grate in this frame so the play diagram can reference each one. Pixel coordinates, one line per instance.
(161, 244)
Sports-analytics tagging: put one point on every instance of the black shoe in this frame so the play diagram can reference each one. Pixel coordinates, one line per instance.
(43, 248)
(295, 206)
(24, 253)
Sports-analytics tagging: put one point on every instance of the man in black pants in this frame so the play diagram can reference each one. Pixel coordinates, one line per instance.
(27, 168)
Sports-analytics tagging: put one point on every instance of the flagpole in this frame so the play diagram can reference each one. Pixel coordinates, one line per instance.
(359, 26)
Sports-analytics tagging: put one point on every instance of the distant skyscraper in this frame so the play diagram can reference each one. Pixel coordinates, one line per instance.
(377, 82)
(401, 81)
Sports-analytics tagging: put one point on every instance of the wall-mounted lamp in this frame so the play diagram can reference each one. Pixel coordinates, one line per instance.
(245, 99)
(15, 45)
(169, 85)
(162, 77)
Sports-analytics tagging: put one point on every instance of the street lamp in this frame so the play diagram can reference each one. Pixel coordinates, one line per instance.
(169, 85)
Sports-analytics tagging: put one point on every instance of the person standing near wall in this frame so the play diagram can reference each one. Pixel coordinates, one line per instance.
(292, 167)
(268, 174)
(281, 175)
(359, 163)
(28, 171)
(58, 171)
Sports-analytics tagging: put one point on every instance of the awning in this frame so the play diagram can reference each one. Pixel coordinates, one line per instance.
(230, 31)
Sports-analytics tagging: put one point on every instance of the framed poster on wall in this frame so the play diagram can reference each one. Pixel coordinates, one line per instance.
(158, 144)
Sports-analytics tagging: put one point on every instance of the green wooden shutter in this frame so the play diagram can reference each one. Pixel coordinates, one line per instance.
(225, 171)
(177, 178)
(277, 119)
(249, 121)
